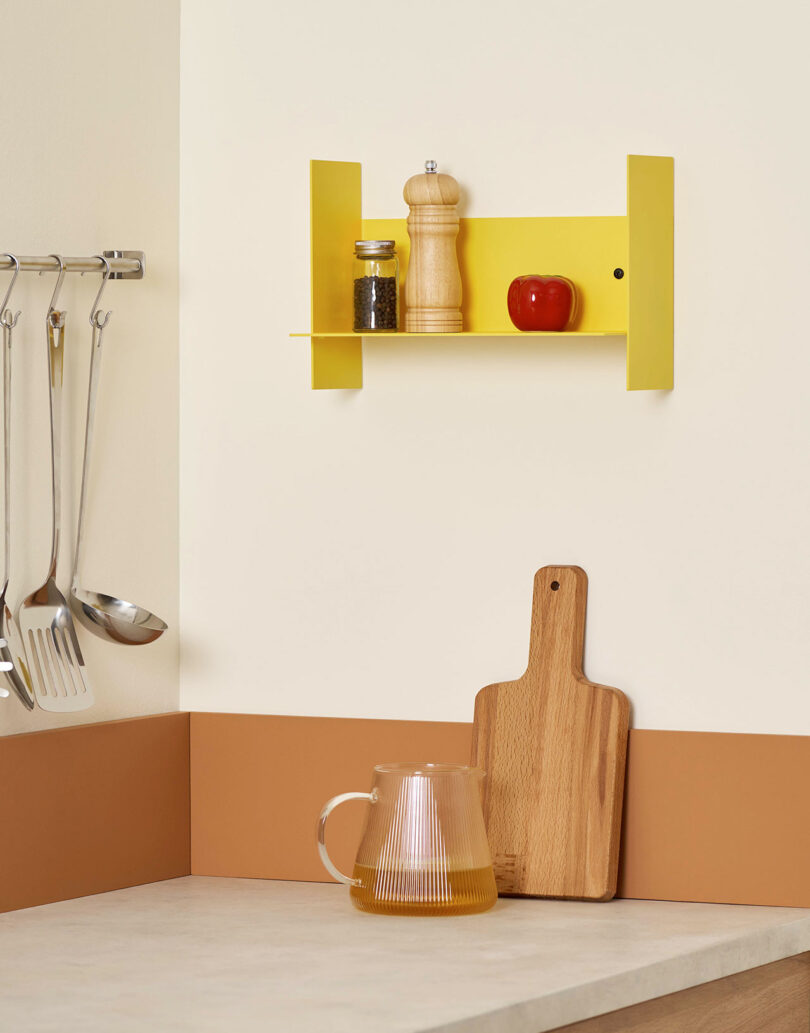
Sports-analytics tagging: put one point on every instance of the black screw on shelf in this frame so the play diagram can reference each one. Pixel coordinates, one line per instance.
(618, 273)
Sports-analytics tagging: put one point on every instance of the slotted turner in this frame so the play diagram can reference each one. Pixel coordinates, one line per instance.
(55, 663)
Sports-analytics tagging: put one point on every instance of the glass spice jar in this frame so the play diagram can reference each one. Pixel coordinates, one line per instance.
(376, 285)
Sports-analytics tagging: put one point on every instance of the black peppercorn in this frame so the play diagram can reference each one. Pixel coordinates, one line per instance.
(375, 303)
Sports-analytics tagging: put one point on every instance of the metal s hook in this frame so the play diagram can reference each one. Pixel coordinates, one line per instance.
(57, 288)
(95, 312)
(6, 318)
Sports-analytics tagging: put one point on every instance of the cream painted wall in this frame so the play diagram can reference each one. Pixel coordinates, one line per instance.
(371, 553)
(89, 119)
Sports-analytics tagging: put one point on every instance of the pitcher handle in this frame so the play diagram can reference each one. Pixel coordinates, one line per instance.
(327, 810)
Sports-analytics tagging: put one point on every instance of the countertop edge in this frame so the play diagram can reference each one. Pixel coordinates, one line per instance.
(611, 993)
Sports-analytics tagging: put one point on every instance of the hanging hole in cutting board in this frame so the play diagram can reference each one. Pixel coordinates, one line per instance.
(555, 585)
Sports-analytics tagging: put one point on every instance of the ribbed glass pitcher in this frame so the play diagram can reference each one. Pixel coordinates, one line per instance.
(424, 848)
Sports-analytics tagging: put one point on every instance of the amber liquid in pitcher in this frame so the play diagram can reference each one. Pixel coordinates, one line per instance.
(423, 891)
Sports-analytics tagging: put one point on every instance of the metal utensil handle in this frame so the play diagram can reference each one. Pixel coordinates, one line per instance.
(327, 810)
(6, 453)
(92, 392)
(56, 366)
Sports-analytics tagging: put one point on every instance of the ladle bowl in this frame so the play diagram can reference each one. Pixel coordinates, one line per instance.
(115, 620)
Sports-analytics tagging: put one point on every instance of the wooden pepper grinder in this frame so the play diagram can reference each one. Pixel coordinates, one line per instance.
(433, 283)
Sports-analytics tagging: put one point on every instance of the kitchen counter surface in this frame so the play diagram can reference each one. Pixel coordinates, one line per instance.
(226, 955)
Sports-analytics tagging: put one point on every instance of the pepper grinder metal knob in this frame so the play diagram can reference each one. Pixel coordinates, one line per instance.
(433, 281)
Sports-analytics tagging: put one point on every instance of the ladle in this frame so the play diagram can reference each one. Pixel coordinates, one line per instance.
(107, 616)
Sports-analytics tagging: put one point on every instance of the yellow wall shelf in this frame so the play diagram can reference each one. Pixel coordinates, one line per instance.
(622, 266)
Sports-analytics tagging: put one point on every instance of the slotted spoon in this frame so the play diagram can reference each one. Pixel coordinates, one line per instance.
(56, 663)
(12, 662)
(11, 650)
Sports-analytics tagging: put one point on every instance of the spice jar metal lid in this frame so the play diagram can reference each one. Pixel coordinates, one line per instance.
(374, 248)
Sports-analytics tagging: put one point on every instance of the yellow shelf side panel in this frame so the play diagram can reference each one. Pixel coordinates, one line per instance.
(650, 273)
(335, 223)
(492, 252)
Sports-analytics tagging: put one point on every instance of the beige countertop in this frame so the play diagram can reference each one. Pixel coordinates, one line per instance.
(243, 956)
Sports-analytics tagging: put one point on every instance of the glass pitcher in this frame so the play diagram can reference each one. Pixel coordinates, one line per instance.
(424, 848)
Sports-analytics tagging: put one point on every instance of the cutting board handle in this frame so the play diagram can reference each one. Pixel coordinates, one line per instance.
(557, 637)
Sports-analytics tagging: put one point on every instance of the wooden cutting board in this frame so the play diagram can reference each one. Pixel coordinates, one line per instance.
(553, 747)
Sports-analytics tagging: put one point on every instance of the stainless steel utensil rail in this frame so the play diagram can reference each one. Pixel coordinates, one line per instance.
(124, 265)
